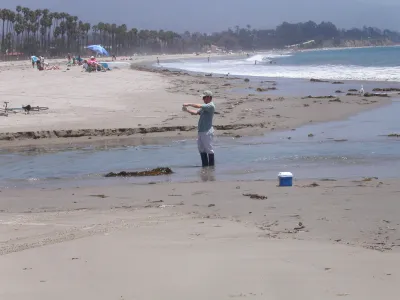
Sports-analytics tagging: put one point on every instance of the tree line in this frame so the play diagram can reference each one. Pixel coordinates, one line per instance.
(42, 32)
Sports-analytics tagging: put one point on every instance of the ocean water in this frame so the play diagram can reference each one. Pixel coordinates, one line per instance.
(361, 64)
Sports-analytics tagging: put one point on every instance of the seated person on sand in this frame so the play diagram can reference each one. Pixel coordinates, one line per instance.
(85, 65)
(39, 65)
(79, 60)
(93, 65)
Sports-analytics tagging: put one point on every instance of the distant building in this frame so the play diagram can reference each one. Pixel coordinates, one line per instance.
(213, 49)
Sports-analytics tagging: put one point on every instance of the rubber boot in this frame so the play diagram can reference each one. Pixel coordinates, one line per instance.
(211, 159)
(204, 159)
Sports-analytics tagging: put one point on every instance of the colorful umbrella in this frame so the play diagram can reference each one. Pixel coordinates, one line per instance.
(99, 49)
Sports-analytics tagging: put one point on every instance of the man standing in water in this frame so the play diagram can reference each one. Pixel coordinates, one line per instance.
(205, 127)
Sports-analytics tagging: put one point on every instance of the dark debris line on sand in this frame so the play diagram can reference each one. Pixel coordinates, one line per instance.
(28, 135)
(255, 196)
(319, 97)
(386, 90)
(153, 172)
(318, 80)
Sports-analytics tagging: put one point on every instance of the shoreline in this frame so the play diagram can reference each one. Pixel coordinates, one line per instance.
(77, 117)
(150, 65)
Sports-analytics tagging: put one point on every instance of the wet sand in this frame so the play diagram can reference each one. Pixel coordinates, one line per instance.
(324, 239)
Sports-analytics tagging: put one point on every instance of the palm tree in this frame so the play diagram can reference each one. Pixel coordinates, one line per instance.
(49, 24)
(86, 29)
(3, 18)
(134, 37)
(113, 31)
(18, 28)
(70, 30)
(121, 38)
(107, 33)
(95, 29)
(63, 30)
(101, 28)
(10, 29)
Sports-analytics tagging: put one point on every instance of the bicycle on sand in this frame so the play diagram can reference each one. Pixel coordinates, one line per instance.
(26, 109)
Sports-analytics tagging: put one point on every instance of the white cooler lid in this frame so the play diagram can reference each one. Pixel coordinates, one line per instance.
(285, 174)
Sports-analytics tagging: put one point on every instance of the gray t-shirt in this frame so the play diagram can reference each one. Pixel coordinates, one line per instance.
(206, 113)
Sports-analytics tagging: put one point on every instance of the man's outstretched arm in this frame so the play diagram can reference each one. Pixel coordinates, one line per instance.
(191, 111)
(195, 105)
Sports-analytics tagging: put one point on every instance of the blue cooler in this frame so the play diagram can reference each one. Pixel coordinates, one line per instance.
(285, 179)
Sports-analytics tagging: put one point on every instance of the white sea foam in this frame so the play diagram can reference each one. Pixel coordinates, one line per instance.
(246, 67)
(267, 56)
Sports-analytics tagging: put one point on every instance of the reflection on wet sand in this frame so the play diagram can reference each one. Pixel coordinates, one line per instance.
(207, 174)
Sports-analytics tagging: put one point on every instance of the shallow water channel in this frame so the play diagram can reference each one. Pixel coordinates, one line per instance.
(355, 147)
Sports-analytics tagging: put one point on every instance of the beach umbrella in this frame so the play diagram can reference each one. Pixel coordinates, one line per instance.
(99, 49)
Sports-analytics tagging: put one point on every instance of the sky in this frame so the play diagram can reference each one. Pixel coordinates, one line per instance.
(214, 15)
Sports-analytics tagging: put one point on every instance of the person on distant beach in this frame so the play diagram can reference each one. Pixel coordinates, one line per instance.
(39, 65)
(158, 61)
(208, 59)
(114, 57)
(205, 127)
(34, 60)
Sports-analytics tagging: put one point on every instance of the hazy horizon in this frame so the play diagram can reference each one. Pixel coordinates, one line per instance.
(210, 16)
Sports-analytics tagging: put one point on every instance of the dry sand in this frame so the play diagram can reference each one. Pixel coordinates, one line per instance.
(199, 240)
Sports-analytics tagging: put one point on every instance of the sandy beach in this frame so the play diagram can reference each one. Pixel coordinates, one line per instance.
(320, 239)
(324, 239)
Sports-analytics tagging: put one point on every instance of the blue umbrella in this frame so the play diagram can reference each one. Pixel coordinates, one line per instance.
(99, 49)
